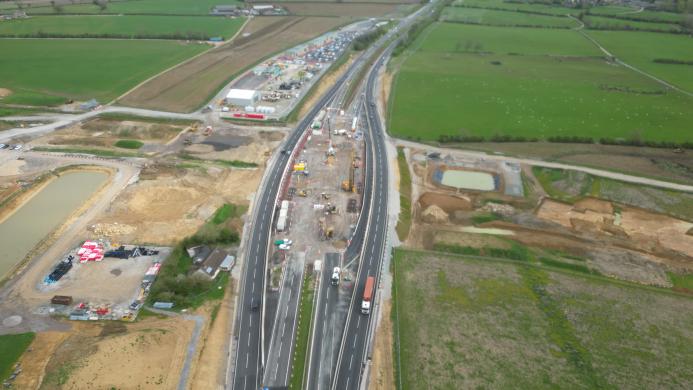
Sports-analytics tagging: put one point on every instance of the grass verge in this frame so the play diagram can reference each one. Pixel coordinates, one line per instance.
(95, 152)
(404, 222)
(303, 334)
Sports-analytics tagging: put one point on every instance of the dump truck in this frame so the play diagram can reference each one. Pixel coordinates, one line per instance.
(368, 293)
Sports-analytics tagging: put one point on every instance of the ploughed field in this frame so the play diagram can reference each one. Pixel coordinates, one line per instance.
(46, 70)
(468, 80)
(466, 323)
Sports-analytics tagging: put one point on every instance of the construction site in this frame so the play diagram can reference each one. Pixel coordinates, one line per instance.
(494, 203)
(272, 89)
(321, 195)
(101, 281)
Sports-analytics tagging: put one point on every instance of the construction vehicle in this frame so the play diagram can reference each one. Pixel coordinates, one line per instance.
(368, 295)
(348, 185)
(208, 131)
(187, 141)
(302, 193)
(193, 128)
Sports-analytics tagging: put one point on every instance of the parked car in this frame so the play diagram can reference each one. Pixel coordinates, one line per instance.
(17, 147)
(3, 146)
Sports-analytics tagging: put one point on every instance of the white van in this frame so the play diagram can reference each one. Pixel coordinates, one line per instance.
(335, 276)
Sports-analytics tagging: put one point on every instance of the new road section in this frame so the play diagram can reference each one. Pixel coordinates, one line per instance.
(249, 359)
(354, 342)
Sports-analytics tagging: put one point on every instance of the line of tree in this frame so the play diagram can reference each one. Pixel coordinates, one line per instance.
(364, 40)
(505, 25)
(686, 23)
(672, 61)
(193, 36)
(522, 11)
(418, 27)
(449, 139)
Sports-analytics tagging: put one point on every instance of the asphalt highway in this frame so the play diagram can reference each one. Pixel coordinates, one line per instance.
(354, 341)
(250, 359)
(327, 330)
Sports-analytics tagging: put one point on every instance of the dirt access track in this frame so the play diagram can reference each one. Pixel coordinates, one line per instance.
(190, 85)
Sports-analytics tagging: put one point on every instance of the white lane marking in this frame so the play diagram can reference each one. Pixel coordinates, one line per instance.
(351, 360)
(249, 334)
(358, 321)
(251, 322)
(247, 357)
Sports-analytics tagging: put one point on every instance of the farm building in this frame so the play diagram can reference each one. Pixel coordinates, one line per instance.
(241, 97)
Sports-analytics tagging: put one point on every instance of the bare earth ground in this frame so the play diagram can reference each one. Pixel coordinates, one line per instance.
(190, 85)
(623, 242)
(382, 373)
(147, 354)
(105, 132)
(5, 92)
(175, 202)
(36, 357)
(645, 228)
(211, 367)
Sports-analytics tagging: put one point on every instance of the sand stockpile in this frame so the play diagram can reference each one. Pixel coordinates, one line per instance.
(434, 214)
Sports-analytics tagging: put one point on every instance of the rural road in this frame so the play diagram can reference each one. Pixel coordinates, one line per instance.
(539, 163)
(62, 120)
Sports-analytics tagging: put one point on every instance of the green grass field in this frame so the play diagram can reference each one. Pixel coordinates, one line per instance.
(516, 6)
(12, 347)
(123, 26)
(86, 68)
(451, 37)
(166, 7)
(641, 48)
(464, 323)
(600, 22)
(483, 81)
(504, 18)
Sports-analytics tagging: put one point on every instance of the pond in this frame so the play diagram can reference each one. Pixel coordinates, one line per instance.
(43, 213)
(469, 180)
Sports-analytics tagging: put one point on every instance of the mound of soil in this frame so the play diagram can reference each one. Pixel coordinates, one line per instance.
(448, 203)
(434, 214)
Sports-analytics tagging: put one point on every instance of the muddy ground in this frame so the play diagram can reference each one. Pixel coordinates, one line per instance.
(624, 242)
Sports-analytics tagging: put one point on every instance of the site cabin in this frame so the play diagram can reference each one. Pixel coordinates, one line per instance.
(368, 295)
(61, 300)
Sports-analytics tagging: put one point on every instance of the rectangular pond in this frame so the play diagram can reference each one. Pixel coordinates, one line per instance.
(43, 213)
(468, 180)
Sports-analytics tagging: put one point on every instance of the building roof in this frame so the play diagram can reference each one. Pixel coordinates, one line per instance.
(260, 7)
(210, 265)
(241, 94)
